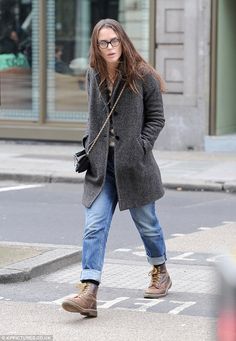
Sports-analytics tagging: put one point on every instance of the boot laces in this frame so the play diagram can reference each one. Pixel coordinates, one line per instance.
(156, 276)
(83, 288)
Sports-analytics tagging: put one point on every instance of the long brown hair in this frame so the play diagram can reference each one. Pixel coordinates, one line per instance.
(132, 65)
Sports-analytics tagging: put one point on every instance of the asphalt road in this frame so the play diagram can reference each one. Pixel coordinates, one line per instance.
(52, 213)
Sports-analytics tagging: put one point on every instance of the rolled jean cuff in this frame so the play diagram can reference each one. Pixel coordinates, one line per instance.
(90, 274)
(156, 260)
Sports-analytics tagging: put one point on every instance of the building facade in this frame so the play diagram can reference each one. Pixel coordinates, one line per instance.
(42, 85)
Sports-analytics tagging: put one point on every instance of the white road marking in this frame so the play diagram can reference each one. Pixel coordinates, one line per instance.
(184, 256)
(139, 253)
(147, 303)
(18, 188)
(215, 259)
(122, 250)
(178, 234)
(184, 305)
(109, 304)
(143, 304)
(141, 247)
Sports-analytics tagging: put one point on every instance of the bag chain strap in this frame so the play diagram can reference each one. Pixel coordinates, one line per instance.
(104, 124)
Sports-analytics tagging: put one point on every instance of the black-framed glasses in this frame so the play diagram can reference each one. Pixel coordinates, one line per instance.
(104, 43)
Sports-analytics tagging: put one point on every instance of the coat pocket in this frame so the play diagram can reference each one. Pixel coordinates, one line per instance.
(141, 145)
(147, 147)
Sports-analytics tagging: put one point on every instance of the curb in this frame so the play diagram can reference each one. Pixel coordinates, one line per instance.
(47, 262)
(38, 178)
(230, 186)
(195, 186)
(188, 185)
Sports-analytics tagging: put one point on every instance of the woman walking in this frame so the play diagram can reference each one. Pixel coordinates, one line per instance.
(122, 167)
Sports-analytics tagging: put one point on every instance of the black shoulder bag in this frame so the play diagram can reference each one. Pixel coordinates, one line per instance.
(81, 158)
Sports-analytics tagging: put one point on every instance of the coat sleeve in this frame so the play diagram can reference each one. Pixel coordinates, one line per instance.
(154, 119)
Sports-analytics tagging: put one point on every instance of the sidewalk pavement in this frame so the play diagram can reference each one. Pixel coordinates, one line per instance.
(53, 162)
(22, 261)
(48, 162)
(49, 322)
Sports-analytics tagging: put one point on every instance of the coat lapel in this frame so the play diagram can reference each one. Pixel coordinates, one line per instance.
(117, 88)
(115, 93)
(104, 95)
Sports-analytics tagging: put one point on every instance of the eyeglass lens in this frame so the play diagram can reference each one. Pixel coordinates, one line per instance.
(104, 43)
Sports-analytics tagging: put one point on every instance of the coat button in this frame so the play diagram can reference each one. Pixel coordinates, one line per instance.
(115, 113)
(117, 137)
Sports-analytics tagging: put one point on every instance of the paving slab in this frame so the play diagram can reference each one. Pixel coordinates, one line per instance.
(23, 261)
(10, 254)
(216, 240)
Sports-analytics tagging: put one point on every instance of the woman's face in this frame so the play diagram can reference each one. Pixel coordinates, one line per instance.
(110, 53)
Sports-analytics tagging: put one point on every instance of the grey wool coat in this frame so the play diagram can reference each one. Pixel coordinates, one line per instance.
(137, 122)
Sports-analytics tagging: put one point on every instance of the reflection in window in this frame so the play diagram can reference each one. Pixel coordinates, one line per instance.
(19, 59)
(16, 59)
(68, 44)
(69, 26)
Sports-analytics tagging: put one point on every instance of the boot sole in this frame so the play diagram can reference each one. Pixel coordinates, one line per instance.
(75, 308)
(152, 295)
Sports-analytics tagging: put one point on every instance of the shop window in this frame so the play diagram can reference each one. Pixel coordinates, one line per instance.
(68, 30)
(18, 60)
(69, 26)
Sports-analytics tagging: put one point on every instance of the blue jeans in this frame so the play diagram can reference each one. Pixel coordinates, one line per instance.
(97, 224)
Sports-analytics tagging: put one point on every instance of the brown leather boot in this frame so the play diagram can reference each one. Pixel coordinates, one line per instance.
(85, 302)
(160, 282)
